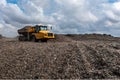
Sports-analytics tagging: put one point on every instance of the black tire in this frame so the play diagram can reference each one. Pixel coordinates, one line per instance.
(43, 40)
(21, 38)
(34, 39)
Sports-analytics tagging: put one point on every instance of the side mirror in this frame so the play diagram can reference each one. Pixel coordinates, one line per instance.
(51, 27)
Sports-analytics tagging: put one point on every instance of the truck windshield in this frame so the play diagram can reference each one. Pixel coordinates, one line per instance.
(43, 27)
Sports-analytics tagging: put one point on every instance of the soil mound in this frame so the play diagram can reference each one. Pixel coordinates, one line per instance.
(61, 38)
(82, 37)
(104, 37)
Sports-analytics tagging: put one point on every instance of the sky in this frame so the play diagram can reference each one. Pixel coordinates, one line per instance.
(66, 16)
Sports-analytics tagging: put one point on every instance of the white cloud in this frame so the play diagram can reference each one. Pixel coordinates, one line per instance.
(75, 16)
(109, 23)
(90, 16)
(3, 2)
(117, 6)
(1, 26)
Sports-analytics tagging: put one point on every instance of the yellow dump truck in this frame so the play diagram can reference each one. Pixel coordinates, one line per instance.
(35, 33)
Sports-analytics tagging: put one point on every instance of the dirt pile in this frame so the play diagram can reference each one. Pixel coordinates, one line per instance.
(83, 37)
(103, 37)
(70, 59)
(60, 38)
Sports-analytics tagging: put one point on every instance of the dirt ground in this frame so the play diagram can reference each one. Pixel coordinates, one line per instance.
(89, 56)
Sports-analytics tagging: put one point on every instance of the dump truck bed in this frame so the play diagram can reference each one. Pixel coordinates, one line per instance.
(26, 29)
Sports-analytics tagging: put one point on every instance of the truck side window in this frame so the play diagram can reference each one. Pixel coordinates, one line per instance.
(37, 29)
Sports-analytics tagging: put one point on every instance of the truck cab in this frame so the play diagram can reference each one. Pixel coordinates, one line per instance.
(42, 33)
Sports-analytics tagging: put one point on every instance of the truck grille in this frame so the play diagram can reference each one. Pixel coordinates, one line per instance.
(50, 34)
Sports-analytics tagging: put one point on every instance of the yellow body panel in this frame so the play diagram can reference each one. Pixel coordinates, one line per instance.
(43, 35)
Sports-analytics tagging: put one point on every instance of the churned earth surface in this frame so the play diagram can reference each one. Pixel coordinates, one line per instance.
(71, 56)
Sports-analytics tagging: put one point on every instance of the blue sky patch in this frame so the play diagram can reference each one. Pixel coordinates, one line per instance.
(112, 1)
(12, 1)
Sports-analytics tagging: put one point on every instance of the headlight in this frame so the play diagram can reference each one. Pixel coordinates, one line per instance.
(50, 34)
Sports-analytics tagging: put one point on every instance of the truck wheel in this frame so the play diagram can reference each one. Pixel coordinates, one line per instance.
(34, 39)
(21, 38)
(44, 40)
